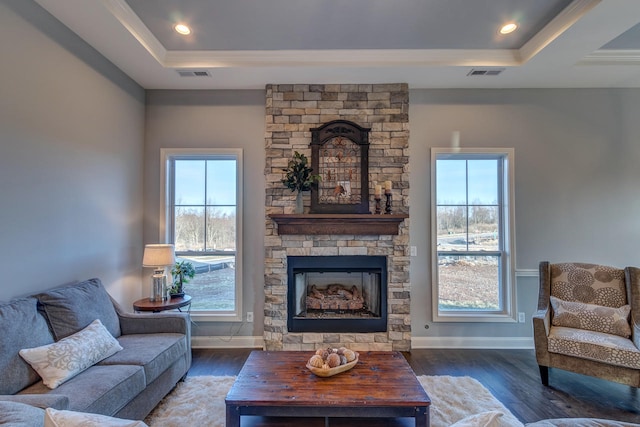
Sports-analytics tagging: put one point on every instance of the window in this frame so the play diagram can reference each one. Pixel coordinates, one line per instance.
(472, 205)
(202, 217)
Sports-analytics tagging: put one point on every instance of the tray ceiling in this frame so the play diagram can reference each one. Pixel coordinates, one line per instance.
(245, 44)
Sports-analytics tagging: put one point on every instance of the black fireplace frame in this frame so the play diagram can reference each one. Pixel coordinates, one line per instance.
(354, 263)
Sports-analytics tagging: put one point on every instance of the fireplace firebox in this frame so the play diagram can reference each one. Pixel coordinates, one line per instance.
(337, 293)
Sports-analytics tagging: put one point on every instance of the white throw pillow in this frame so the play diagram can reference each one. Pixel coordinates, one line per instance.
(57, 418)
(483, 419)
(62, 360)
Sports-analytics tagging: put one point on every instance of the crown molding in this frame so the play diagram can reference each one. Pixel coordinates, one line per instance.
(341, 57)
(121, 10)
(612, 57)
(558, 25)
(348, 58)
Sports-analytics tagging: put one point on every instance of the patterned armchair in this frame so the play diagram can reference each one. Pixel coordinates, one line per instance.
(588, 321)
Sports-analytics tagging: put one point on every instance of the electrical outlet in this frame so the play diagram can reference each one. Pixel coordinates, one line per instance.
(414, 251)
(521, 317)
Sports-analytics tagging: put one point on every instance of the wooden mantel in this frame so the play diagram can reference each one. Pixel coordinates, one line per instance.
(338, 223)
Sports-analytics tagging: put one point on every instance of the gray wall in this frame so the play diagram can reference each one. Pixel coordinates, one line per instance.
(214, 119)
(577, 169)
(577, 161)
(73, 149)
(71, 140)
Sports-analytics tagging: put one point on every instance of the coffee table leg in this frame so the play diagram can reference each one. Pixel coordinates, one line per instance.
(422, 416)
(233, 416)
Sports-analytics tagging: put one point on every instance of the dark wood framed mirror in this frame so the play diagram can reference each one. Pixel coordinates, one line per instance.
(340, 155)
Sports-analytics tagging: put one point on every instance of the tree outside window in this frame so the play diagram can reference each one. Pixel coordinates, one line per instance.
(202, 209)
(473, 245)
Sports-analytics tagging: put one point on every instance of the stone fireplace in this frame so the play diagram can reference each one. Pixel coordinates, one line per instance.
(378, 321)
(337, 293)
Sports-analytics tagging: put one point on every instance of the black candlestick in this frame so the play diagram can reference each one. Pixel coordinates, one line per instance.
(378, 207)
(387, 208)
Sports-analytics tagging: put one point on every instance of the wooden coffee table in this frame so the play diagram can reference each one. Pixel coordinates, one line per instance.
(277, 383)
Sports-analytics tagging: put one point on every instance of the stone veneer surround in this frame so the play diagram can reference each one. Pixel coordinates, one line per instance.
(291, 111)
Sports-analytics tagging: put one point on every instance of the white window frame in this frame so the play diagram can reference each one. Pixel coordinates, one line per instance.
(507, 224)
(166, 156)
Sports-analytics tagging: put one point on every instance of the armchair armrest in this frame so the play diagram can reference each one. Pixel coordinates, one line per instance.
(632, 276)
(55, 401)
(155, 323)
(542, 317)
(541, 328)
(542, 321)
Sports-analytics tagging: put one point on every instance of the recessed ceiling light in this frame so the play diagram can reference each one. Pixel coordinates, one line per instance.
(508, 28)
(182, 29)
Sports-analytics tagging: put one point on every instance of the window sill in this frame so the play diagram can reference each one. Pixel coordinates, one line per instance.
(474, 318)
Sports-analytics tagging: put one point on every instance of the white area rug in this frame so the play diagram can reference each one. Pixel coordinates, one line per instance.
(453, 398)
(200, 401)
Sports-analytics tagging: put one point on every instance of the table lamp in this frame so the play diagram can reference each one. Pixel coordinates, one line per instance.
(158, 256)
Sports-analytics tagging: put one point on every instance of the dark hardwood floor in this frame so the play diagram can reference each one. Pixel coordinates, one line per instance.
(511, 376)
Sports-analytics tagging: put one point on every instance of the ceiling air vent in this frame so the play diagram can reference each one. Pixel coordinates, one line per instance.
(194, 73)
(485, 71)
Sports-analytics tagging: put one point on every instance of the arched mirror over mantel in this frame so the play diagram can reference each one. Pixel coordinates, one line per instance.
(340, 155)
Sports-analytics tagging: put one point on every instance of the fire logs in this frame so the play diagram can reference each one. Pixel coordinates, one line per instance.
(334, 297)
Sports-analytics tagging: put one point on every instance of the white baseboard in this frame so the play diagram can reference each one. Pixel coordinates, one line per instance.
(226, 342)
(472, 342)
(417, 343)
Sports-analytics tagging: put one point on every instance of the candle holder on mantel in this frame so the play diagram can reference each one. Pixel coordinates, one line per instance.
(378, 210)
(387, 208)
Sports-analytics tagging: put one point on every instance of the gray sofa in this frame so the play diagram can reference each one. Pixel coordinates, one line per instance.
(156, 352)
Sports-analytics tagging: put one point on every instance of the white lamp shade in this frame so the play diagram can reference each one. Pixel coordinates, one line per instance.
(158, 255)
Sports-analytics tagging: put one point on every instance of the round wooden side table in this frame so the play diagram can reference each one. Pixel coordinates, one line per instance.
(178, 303)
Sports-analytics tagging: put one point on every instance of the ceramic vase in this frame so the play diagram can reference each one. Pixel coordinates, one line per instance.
(299, 203)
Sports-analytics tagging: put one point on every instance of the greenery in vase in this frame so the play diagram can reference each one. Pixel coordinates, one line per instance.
(182, 272)
(299, 176)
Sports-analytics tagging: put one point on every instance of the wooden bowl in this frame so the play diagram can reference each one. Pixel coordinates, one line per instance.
(321, 372)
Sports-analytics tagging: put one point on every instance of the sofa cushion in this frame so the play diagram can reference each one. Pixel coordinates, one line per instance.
(606, 348)
(55, 418)
(43, 401)
(590, 283)
(154, 352)
(62, 360)
(16, 319)
(71, 308)
(592, 317)
(13, 414)
(100, 389)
